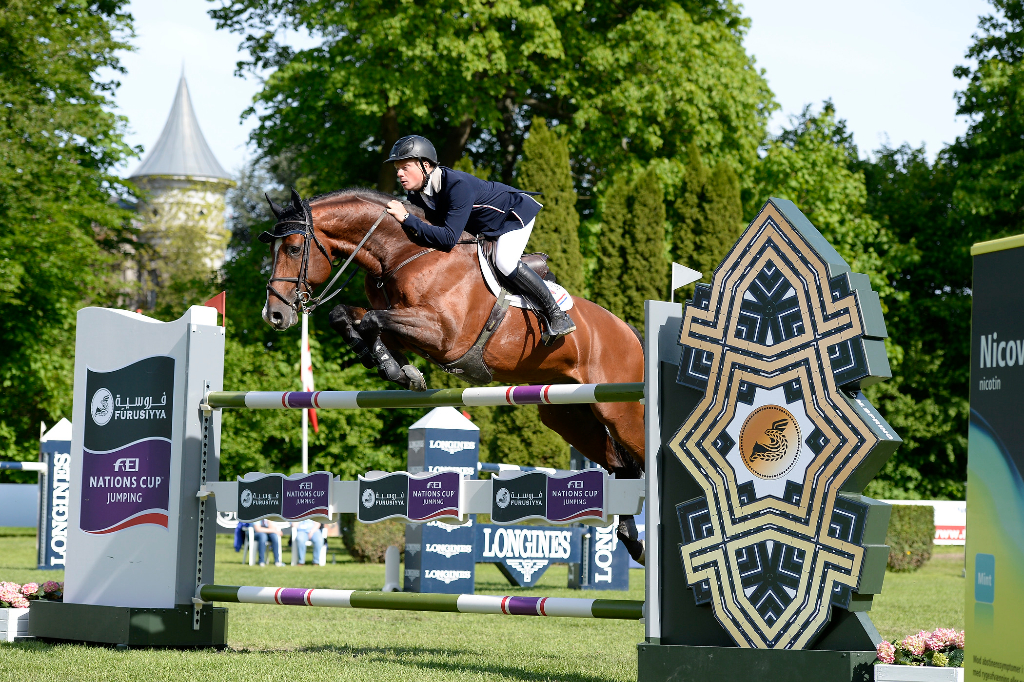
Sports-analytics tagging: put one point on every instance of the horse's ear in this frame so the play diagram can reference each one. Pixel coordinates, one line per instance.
(278, 210)
(296, 200)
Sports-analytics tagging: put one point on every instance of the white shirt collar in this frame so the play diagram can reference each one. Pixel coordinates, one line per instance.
(434, 183)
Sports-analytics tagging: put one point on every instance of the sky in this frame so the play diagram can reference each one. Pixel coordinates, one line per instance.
(886, 64)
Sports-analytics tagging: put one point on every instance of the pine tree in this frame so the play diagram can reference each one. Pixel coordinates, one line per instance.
(545, 168)
(631, 265)
(710, 216)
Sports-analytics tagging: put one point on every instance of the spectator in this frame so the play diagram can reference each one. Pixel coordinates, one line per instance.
(265, 530)
(312, 531)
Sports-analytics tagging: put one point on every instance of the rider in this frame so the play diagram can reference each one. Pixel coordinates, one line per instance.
(454, 202)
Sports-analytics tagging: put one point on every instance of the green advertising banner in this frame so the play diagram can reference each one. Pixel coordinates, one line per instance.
(995, 489)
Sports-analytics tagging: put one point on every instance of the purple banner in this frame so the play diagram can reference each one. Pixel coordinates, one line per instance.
(292, 596)
(528, 395)
(434, 496)
(307, 495)
(578, 496)
(523, 606)
(126, 487)
(300, 399)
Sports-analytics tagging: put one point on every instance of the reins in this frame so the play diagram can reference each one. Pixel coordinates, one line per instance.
(304, 299)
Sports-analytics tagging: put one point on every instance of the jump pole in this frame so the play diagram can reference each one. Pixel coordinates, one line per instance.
(551, 394)
(614, 609)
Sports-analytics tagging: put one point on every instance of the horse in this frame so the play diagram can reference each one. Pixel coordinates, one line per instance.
(435, 304)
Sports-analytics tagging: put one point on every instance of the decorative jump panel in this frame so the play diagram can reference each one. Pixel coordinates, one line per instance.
(782, 442)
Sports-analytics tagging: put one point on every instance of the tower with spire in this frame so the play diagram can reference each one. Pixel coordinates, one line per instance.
(181, 205)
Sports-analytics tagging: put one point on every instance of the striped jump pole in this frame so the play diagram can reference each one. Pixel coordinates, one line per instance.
(550, 394)
(616, 609)
(23, 466)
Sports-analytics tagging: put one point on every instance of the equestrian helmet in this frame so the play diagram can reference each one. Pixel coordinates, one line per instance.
(413, 147)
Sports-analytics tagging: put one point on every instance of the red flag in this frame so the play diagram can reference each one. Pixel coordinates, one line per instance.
(219, 302)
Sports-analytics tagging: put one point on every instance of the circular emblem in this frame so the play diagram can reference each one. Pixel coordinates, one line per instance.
(102, 406)
(246, 498)
(502, 498)
(770, 442)
(368, 498)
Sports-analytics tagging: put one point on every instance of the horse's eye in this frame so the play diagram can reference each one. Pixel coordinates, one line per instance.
(294, 250)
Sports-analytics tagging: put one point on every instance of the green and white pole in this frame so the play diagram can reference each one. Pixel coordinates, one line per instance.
(617, 609)
(551, 394)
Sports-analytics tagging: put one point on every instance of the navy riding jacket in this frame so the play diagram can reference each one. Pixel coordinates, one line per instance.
(467, 203)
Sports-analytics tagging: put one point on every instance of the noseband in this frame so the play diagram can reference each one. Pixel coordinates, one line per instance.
(304, 300)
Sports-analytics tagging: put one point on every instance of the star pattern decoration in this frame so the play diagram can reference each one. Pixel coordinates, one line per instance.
(785, 326)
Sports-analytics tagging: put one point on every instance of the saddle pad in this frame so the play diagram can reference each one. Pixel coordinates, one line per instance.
(562, 296)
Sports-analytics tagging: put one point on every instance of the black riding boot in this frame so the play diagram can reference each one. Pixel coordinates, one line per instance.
(529, 284)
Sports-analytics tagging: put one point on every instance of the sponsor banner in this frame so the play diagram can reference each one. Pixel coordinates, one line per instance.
(435, 449)
(54, 504)
(606, 560)
(556, 498)
(307, 495)
(441, 557)
(417, 498)
(261, 498)
(523, 553)
(126, 464)
(292, 498)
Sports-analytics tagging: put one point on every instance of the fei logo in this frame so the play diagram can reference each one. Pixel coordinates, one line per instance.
(368, 498)
(434, 484)
(102, 406)
(127, 464)
(575, 484)
(306, 485)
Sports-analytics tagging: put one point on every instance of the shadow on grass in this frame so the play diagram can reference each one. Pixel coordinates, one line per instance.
(413, 656)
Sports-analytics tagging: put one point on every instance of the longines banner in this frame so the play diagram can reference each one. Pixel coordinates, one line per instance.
(995, 487)
(126, 464)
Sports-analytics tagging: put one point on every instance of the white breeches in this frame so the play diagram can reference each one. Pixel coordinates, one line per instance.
(510, 247)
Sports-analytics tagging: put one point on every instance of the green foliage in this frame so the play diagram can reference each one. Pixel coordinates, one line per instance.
(644, 79)
(545, 168)
(631, 262)
(926, 401)
(62, 230)
(367, 542)
(990, 157)
(519, 437)
(709, 216)
(910, 535)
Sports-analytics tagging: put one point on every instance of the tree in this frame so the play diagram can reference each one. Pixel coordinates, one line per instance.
(708, 216)
(545, 168)
(926, 401)
(990, 156)
(621, 77)
(63, 229)
(631, 263)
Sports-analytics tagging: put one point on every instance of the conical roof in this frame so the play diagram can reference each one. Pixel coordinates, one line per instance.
(181, 149)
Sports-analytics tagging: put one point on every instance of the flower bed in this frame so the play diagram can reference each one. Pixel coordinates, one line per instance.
(14, 600)
(926, 656)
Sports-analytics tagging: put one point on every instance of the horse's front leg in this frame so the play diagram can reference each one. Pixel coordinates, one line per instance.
(418, 326)
(343, 319)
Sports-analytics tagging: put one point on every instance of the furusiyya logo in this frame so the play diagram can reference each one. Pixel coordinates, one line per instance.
(452, 446)
(503, 498)
(102, 406)
(770, 441)
(248, 498)
(368, 498)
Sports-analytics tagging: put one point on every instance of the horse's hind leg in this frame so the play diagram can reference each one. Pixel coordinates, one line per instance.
(579, 426)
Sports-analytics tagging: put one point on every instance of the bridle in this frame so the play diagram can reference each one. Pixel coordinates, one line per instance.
(304, 301)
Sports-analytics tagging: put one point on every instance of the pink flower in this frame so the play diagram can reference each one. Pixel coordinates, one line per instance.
(19, 602)
(9, 586)
(50, 586)
(958, 641)
(29, 589)
(886, 652)
(913, 644)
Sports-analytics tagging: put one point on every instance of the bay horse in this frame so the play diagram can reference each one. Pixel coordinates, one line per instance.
(435, 304)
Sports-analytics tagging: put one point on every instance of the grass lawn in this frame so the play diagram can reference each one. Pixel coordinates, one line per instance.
(292, 643)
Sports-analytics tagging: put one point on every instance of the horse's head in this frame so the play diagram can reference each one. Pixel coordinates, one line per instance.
(300, 262)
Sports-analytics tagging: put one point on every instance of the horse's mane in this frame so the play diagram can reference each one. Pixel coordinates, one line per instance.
(366, 194)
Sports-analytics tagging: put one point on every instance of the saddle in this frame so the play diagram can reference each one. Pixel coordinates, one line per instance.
(471, 366)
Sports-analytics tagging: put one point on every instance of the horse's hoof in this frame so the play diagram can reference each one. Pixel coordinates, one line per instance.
(416, 380)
